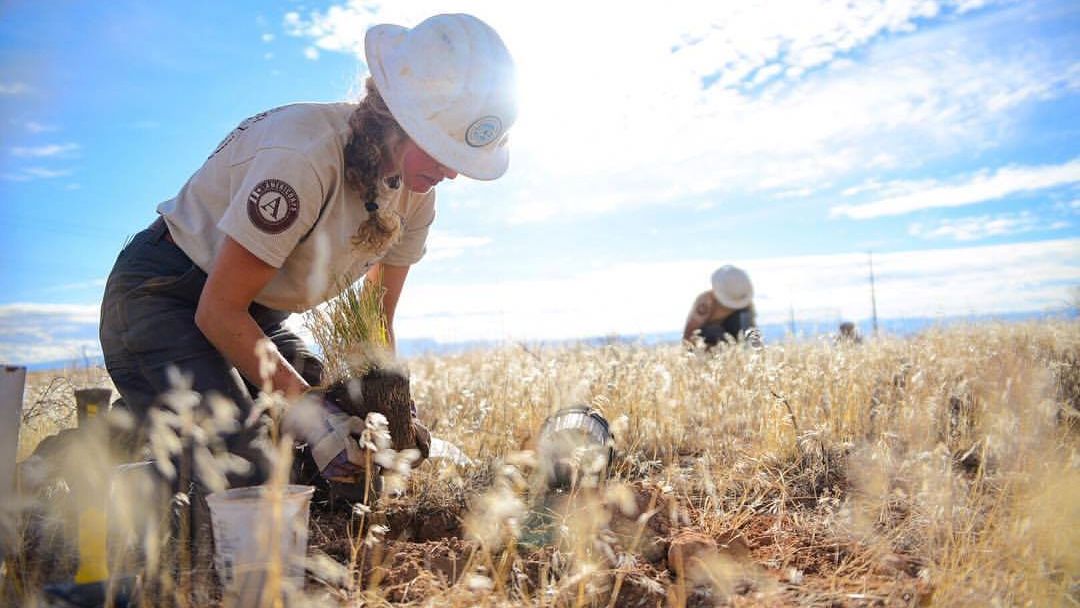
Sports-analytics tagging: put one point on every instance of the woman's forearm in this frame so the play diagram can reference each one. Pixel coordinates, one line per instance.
(236, 336)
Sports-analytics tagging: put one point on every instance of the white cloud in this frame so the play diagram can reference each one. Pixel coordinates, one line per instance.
(630, 299)
(267, 37)
(340, 28)
(32, 173)
(45, 151)
(34, 333)
(37, 127)
(984, 226)
(795, 193)
(74, 351)
(442, 245)
(79, 313)
(981, 187)
(739, 43)
(81, 285)
(14, 88)
(311, 53)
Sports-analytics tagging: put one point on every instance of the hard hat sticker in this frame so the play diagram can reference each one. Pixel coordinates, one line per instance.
(483, 131)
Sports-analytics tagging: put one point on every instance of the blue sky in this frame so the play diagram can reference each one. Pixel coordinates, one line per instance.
(652, 146)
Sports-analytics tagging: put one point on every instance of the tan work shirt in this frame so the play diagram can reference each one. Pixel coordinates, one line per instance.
(276, 185)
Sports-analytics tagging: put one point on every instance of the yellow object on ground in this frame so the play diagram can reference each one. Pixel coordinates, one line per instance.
(93, 530)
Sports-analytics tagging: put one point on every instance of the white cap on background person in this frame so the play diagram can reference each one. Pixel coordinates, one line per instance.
(732, 287)
(451, 84)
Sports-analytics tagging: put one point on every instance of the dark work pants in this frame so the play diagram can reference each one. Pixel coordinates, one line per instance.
(148, 326)
(734, 326)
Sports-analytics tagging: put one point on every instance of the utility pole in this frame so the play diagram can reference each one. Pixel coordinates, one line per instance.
(873, 295)
(791, 317)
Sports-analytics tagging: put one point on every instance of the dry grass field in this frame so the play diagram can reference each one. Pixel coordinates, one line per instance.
(936, 470)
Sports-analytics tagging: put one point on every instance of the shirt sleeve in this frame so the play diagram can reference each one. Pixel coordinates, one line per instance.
(276, 204)
(701, 309)
(413, 244)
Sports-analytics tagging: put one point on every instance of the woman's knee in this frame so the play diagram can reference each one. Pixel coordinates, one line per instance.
(310, 368)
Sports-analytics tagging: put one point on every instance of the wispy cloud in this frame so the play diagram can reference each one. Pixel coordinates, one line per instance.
(45, 151)
(80, 313)
(79, 286)
(746, 45)
(980, 187)
(14, 88)
(443, 245)
(33, 332)
(63, 352)
(311, 53)
(37, 127)
(33, 173)
(340, 28)
(984, 226)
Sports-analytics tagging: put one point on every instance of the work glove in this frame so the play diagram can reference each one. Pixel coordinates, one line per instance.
(331, 434)
(337, 452)
(385, 392)
(423, 438)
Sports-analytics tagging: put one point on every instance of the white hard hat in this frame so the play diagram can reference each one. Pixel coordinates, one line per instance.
(450, 83)
(732, 287)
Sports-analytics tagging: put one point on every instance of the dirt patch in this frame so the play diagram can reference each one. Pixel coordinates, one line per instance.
(656, 557)
(687, 552)
(334, 532)
(643, 585)
(647, 529)
(424, 525)
(407, 571)
(778, 543)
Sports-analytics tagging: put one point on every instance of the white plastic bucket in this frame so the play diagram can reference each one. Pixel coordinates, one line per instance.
(243, 522)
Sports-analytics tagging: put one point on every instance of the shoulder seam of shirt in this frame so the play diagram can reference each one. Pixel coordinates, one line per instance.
(310, 165)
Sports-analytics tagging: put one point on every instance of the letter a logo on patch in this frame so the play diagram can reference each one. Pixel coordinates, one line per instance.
(273, 206)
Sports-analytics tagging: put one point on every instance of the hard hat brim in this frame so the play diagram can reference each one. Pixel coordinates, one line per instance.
(483, 163)
(734, 304)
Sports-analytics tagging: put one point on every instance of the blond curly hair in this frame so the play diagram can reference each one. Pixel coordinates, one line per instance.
(371, 154)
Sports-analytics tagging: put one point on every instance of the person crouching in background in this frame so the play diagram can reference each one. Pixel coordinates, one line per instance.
(726, 312)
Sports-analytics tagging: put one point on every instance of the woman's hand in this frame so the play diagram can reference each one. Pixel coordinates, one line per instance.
(237, 276)
(392, 280)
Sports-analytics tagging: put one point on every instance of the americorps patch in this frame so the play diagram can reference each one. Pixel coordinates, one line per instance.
(273, 206)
